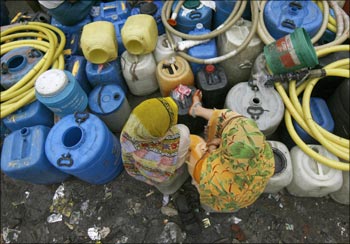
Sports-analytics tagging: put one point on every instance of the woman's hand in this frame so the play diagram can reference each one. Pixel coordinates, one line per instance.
(213, 144)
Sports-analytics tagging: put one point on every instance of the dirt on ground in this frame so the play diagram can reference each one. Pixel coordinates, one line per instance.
(128, 211)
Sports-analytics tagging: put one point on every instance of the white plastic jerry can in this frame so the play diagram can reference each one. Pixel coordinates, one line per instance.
(283, 174)
(342, 195)
(311, 178)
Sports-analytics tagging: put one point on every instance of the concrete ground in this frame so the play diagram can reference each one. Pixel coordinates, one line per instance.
(129, 211)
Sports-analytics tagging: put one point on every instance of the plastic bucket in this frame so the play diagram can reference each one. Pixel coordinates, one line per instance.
(291, 52)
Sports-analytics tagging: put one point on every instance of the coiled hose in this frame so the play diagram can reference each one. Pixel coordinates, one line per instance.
(235, 15)
(302, 114)
(43, 37)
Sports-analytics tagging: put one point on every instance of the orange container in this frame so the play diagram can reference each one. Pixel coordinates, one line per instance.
(172, 72)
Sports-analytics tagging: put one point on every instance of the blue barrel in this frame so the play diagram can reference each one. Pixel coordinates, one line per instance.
(30, 115)
(282, 17)
(203, 51)
(107, 73)
(77, 65)
(82, 145)
(110, 104)
(17, 63)
(321, 115)
(118, 25)
(213, 83)
(191, 13)
(223, 10)
(113, 11)
(72, 28)
(60, 92)
(72, 46)
(23, 157)
(151, 8)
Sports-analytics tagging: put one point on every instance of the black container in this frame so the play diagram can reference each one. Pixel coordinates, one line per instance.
(338, 105)
(327, 85)
(212, 81)
(184, 102)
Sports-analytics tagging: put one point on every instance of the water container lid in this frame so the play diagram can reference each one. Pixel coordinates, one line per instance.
(148, 8)
(106, 99)
(210, 68)
(192, 4)
(51, 82)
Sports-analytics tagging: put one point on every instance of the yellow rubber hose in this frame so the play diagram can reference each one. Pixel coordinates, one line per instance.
(302, 113)
(44, 37)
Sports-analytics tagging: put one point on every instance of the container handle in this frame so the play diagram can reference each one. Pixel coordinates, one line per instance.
(195, 15)
(255, 112)
(81, 117)
(288, 23)
(64, 158)
(4, 68)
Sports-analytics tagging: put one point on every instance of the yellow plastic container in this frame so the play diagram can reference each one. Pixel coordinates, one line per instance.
(172, 72)
(99, 42)
(140, 34)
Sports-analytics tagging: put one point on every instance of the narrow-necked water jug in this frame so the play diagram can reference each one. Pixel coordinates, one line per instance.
(312, 178)
(139, 72)
(266, 108)
(172, 72)
(164, 49)
(105, 74)
(282, 17)
(283, 173)
(212, 81)
(99, 42)
(76, 65)
(83, 146)
(17, 63)
(23, 157)
(30, 115)
(153, 8)
(239, 67)
(205, 50)
(191, 13)
(110, 104)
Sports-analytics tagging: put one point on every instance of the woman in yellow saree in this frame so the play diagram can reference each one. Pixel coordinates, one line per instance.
(154, 147)
(232, 167)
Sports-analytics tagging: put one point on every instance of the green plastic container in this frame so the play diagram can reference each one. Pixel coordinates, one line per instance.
(291, 52)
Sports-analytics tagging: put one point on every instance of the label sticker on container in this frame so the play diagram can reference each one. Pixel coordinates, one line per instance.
(290, 58)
